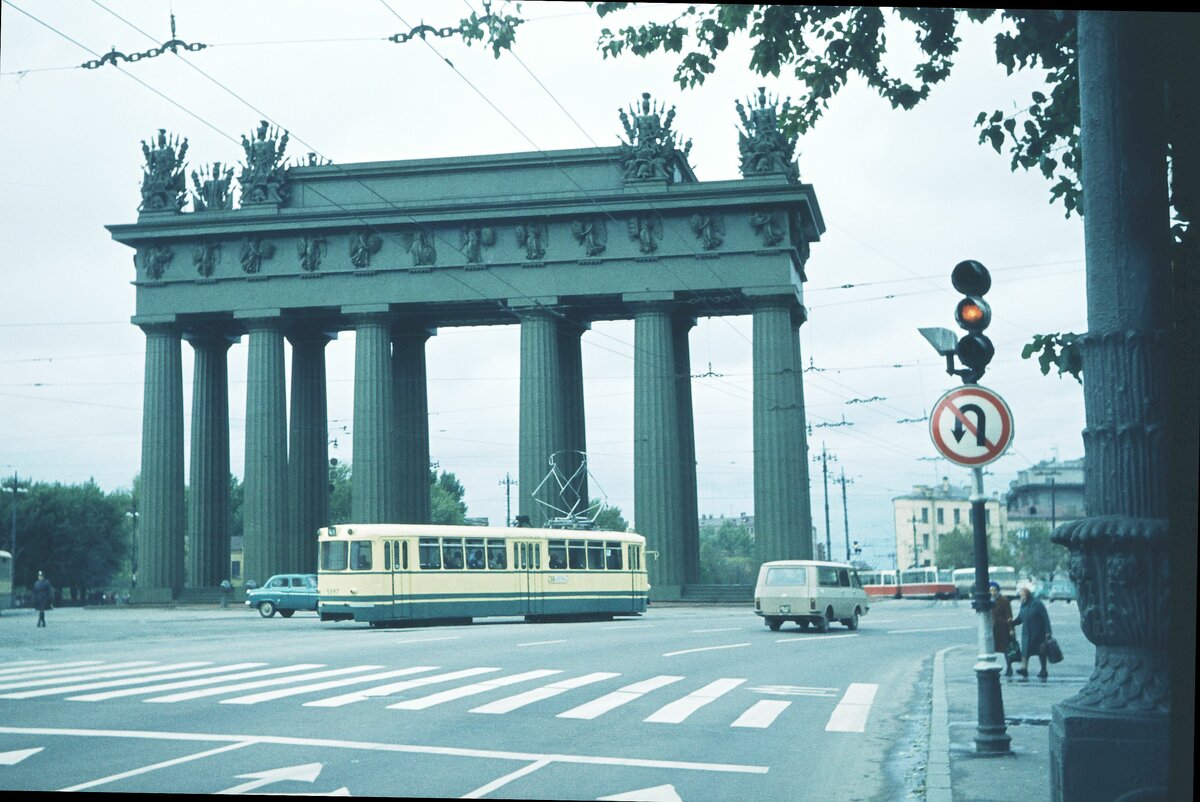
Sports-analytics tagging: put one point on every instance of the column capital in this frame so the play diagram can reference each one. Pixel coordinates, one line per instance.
(210, 337)
(310, 333)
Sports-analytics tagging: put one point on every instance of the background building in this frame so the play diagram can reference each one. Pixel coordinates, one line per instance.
(927, 513)
(1049, 493)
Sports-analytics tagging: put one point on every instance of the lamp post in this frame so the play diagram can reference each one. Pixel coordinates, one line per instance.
(16, 488)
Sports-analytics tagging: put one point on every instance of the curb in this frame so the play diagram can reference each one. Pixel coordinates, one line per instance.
(937, 766)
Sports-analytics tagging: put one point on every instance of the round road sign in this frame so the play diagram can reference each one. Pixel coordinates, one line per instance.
(971, 425)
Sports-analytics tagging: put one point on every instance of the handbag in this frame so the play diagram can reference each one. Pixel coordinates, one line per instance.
(1051, 650)
(1013, 654)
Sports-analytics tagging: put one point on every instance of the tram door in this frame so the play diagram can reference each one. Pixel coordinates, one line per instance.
(396, 559)
(528, 563)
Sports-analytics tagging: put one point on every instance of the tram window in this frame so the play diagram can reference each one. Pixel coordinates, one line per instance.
(595, 555)
(387, 556)
(333, 555)
(475, 559)
(404, 554)
(612, 556)
(497, 555)
(576, 554)
(430, 553)
(360, 555)
(452, 552)
(558, 554)
(521, 556)
(535, 549)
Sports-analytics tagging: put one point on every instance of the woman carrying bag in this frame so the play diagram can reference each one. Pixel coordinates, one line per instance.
(1002, 628)
(1035, 631)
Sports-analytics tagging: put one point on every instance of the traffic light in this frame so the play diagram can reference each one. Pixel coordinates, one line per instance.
(974, 349)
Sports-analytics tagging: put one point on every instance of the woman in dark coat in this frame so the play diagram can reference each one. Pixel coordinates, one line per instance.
(1002, 624)
(43, 595)
(1035, 628)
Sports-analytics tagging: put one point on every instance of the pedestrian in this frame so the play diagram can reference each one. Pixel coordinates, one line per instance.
(43, 595)
(1002, 626)
(1035, 629)
(226, 592)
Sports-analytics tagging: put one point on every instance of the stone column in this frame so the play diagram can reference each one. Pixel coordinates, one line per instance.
(209, 507)
(161, 526)
(804, 544)
(411, 399)
(687, 448)
(541, 425)
(308, 443)
(574, 422)
(780, 530)
(658, 498)
(265, 516)
(373, 478)
(1111, 738)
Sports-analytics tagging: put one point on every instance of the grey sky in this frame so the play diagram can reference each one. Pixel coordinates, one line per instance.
(905, 196)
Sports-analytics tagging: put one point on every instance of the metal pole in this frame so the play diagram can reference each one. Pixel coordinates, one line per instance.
(825, 475)
(845, 514)
(991, 736)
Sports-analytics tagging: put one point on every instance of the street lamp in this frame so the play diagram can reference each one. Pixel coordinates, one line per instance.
(16, 488)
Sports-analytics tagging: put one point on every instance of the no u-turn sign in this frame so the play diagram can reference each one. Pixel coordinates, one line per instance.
(971, 425)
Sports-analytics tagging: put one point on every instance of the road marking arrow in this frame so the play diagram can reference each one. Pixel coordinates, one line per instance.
(13, 758)
(306, 773)
(661, 793)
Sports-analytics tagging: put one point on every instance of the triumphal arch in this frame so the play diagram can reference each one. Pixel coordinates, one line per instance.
(393, 251)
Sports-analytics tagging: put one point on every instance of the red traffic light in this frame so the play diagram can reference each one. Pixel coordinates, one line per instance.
(973, 314)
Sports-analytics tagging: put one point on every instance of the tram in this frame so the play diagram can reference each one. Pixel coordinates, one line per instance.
(387, 574)
(6, 579)
(879, 583)
(926, 583)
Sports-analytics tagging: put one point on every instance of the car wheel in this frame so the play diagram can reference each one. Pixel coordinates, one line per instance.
(802, 623)
(266, 609)
(286, 613)
(822, 623)
(774, 623)
(852, 622)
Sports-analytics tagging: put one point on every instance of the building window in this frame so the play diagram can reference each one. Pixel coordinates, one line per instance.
(987, 517)
(924, 515)
(941, 516)
(957, 517)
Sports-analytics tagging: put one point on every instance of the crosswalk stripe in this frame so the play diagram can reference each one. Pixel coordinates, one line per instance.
(263, 683)
(396, 687)
(598, 707)
(680, 709)
(25, 666)
(538, 694)
(146, 690)
(127, 681)
(851, 713)
(761, 714)
(267, 696)
(471, 690)
(124, 672)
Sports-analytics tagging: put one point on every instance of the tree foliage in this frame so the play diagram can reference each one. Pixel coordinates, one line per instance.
(727, 555)
(446, 499)
(956, 549)
(610, 519)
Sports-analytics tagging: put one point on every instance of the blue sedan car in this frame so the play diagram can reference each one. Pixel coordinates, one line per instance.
(285, 593)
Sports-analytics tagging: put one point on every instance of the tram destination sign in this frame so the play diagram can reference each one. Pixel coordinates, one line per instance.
(971, 425)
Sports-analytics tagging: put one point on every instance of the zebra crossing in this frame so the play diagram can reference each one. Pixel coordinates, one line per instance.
(252, 683)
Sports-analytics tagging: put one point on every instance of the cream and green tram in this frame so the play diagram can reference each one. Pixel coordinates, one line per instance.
(392, 573)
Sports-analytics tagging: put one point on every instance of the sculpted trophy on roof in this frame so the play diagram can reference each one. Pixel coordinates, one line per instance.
(164, 185)
(264, 176)
(763, 146)
(647, 155)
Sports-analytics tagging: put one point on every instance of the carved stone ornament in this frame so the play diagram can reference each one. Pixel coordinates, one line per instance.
(474, 239)
(764, 148)
(212, 189)
(646, 231)
(652, 144)
(421, 249)
(363, 245)
(254, 253)
(164, 185)
(264, 176)
(532, 237)
(592, 234)
(311, 250)
(154, 260)
(206, 256)
(768, 226)
(709, 228)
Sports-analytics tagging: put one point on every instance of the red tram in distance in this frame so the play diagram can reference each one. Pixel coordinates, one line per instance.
(915, 583)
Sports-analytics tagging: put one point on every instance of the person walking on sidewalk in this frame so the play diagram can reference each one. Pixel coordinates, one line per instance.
(1002, 625)
(43, 596)
(1035, 628)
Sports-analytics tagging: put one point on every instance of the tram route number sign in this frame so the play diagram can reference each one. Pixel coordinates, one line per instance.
(971, 425)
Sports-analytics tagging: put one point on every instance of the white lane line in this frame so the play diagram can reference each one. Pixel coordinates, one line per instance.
(930, 629)
(155, 767)
(722, 629)
(680, 709)
(618, 697)
(262, 683)
(423, 640)
(267, 696)
(546, 692)
(629, 626)
(794, 690)
(424, 702)
(541, 642)
(192, 683)
(127, 681)
(396, 687)
(484, 790)
(23, 667)
(126, 672)
(706, 649)
(375, 746)
(761, 714)
(851, 713)
(813, 638)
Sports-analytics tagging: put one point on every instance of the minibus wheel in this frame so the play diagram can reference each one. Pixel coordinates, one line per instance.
(774, 623)
(822, 623)
(852, 622)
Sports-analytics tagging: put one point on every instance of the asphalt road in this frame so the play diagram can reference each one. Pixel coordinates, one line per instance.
(683, 703)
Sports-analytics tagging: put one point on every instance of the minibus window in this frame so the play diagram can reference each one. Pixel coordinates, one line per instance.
(497, 555)
(360, 555)
(576, 554)
(843, 578)
(595, 555)
(333, 555)
(558, 554)
(430, 553)
(612, 554)
(827, 577)
(792, 576)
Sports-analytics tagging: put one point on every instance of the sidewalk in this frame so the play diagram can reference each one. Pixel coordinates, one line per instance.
(954, 772)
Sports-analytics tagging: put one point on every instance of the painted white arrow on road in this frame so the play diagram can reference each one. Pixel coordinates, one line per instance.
(13, 758)
(661, 793)
(306, 773)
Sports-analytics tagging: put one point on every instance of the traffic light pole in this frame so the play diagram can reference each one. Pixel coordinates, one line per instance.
(991, 736)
